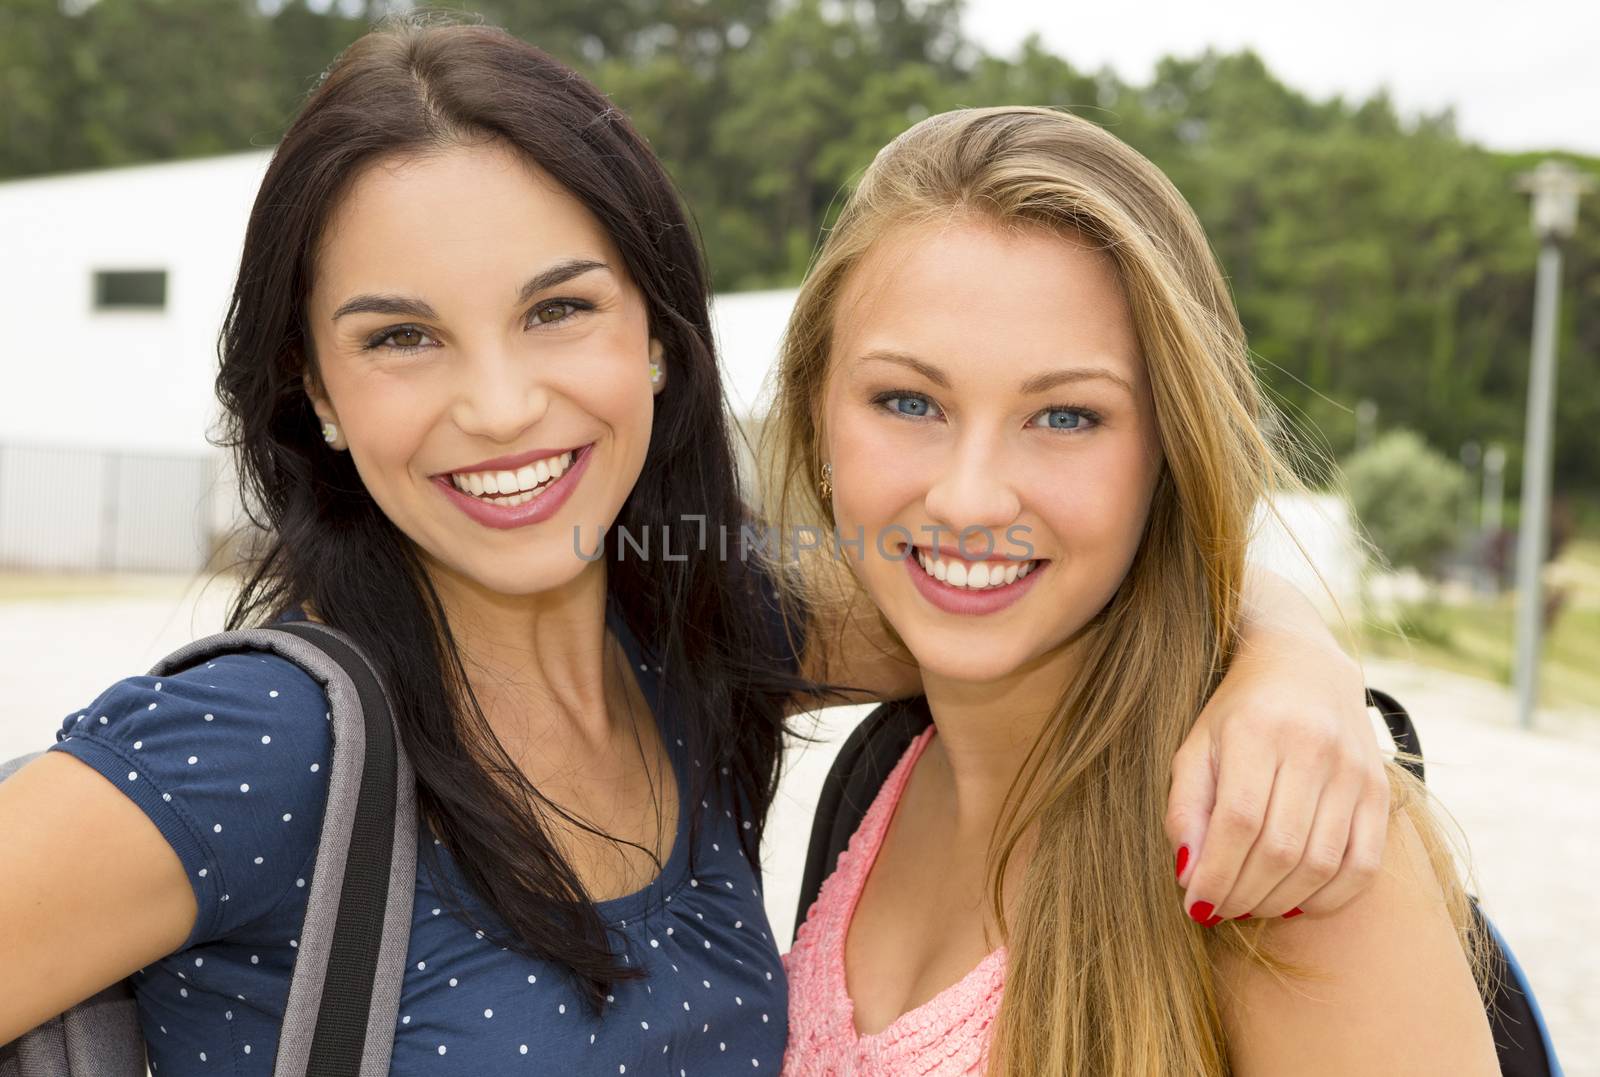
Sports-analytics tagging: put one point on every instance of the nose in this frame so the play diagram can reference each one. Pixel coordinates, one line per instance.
(974, 496)
(500, 395)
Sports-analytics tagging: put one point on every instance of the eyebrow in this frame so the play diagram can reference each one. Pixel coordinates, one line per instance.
(932, 373)
(411, 307)
(1039, 383)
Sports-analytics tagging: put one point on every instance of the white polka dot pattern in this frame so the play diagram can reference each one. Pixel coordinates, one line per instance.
(232, 769)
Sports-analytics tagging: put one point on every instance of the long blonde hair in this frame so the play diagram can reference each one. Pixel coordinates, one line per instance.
(1106, 976)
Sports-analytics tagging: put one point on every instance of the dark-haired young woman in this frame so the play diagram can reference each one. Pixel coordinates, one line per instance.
(468, 343)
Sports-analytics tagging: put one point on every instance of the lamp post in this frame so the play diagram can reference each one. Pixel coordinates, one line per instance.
(1555, 186)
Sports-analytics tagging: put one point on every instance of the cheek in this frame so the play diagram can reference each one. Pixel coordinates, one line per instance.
(878, 470)
(1097, 505)
(614, 390)
(385, 420)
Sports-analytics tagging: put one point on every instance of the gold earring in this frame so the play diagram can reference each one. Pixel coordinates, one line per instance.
(825, 487)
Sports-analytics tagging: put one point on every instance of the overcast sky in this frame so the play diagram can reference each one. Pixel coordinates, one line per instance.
(1521, 75)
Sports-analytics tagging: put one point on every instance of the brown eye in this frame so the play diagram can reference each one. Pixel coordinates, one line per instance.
(552, 312)
(407, 338)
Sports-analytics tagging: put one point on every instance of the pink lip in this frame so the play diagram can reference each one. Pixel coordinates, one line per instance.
(960, 599)
(543, 506)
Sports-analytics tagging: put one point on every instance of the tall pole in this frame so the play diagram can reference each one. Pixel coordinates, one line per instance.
(1533, 536)
(1555, 186)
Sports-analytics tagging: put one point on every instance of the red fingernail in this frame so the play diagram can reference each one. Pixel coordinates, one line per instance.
(1213, 922)
(1292, 913)
(1201, 911)
(1183, 860)
(1246, 916)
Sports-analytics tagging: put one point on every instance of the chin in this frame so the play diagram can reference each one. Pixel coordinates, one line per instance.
(961, 657)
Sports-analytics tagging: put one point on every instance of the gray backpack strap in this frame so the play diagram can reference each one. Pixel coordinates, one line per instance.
(345, 992)
(98, 1037)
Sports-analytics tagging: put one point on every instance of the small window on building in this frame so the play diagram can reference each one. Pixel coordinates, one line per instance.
(130, 289)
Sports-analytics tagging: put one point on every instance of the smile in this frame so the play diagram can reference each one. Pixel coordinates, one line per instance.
(972, 575)
(955, 585)
(508, 488)
(516, 491)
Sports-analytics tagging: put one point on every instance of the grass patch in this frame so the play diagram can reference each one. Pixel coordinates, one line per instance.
(1478, 638)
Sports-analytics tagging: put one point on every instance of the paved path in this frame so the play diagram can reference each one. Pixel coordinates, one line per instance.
(1529, 803)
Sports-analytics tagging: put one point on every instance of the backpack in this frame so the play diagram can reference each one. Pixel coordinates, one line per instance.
(872, 750)
(344, 993)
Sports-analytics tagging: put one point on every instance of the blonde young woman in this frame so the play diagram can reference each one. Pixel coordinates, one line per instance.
(1016, 371)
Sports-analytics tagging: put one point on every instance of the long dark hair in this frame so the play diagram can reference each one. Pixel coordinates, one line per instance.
(411, 87)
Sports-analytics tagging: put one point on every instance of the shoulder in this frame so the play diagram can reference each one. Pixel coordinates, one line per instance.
(227, 707)
(229, 759)
(1381, 985)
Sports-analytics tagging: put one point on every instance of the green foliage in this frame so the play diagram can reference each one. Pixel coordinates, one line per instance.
(1372, 257)
(1408, 497)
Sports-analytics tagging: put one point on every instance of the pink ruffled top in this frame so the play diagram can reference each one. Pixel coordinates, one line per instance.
(947, 1036)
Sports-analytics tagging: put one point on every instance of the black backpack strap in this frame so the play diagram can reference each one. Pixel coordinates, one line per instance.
(858, 772)
(1521, 1038)
(1401, 730)
(345, 992)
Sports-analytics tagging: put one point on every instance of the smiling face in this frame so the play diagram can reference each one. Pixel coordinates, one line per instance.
(486, 359)
(988, 380)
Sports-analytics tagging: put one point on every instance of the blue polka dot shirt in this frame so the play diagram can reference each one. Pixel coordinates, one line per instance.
(230, 759)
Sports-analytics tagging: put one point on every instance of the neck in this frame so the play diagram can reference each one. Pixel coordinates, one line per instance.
(988, 729)
(535, 660)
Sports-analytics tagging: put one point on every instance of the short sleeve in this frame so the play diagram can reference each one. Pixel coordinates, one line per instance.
(229, 759)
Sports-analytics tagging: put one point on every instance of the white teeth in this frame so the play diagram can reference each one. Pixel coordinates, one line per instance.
(975, 575)
(513, 487)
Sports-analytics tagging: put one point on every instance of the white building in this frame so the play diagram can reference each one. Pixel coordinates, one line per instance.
(113, 285)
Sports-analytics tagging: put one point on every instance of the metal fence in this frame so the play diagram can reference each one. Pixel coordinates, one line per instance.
(104, 511)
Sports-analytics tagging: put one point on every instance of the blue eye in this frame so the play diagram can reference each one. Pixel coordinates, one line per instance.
(1063, 419)
(906, 403)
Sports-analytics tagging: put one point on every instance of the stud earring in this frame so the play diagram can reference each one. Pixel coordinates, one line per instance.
(825, 487)
(330, 433)
(655, 373)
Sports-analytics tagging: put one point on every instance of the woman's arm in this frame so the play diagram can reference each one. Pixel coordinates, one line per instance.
(1279, 799)
(1388, 989)
(89, 890)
